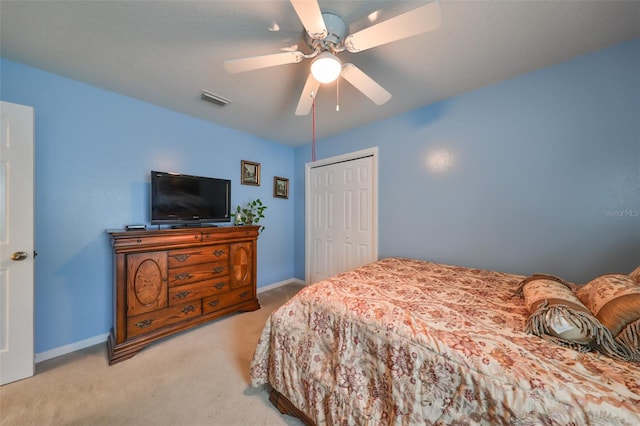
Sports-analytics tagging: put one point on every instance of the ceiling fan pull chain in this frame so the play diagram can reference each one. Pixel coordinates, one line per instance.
(337, 95)
(313, 127)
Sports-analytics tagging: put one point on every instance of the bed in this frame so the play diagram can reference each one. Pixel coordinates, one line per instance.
(407, 342)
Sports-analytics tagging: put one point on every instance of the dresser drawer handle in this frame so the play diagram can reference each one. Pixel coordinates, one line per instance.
(218, 269)
(187, 309)
(181, 257)
(214, 303)
(218, 253)
(183, 294)
(244, 294)
(183, 276)
(219, 286)
(143, 324)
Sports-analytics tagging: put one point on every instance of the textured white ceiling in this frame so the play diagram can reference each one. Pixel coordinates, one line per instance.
(166, 52)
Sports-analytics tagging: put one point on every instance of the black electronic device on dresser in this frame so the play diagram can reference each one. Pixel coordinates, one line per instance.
(180, 199)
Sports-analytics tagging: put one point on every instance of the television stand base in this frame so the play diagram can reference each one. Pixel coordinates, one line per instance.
(193, 225)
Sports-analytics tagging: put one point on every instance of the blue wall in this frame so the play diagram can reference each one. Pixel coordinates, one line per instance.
(543, 172)
(94, 151)
(543, 176)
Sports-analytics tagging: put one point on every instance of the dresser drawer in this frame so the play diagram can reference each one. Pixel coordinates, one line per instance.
(201, 272)
(223, 300)
(185, 293)
(194, 256)
(147, 240)
(145, 323)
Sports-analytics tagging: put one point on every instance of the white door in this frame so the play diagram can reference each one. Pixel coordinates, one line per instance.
(16, 242)
(341, 205)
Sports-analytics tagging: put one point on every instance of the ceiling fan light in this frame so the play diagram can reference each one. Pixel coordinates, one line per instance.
(326, 67)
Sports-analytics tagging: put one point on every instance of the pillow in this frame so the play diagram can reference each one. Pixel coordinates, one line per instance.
(556, 314)
(635, 275)
(615, 300)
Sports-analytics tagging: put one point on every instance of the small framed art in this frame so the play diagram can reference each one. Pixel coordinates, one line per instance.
(250, 173)
(280, 187)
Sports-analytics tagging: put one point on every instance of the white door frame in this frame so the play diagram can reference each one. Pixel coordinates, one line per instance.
(368, 152)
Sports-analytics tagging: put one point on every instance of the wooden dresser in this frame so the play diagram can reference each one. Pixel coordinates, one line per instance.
(169, 280)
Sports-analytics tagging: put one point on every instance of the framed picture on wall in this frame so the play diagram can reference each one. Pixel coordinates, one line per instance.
(280, 187)
(250, 173)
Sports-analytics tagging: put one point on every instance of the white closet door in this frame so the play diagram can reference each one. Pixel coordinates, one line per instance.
(341, 215)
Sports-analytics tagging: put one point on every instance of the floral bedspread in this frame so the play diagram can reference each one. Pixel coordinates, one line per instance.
(408, 342)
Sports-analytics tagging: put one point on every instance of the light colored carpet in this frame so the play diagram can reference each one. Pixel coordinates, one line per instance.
(198, 377)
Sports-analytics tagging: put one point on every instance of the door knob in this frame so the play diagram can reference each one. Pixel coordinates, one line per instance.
(19, 255)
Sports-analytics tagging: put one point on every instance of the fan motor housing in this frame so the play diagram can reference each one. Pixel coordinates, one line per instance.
(336, 32)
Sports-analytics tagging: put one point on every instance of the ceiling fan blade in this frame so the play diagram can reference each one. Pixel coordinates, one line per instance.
(311, 17)
(264, 61)
(308, 93)
(365, 84)
(424, 18)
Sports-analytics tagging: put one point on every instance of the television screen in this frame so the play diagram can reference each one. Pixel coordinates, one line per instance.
(178, 198)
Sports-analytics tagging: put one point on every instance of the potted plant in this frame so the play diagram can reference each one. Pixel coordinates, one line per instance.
(250, 214)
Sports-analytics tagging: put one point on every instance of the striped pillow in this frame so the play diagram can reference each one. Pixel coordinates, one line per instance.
(615, 300)
(556, 314)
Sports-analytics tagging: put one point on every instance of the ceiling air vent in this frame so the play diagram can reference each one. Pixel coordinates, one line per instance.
(214, 99)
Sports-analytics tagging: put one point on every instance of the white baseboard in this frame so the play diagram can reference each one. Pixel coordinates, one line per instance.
(72, 347)
(279, 284)
(102, 338)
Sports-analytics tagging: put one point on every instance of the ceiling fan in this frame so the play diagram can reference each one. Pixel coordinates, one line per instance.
(326, 35)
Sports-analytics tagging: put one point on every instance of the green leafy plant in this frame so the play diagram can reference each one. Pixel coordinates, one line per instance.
(250, 213)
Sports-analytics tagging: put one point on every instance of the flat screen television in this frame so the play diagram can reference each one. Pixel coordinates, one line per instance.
(185, 199)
